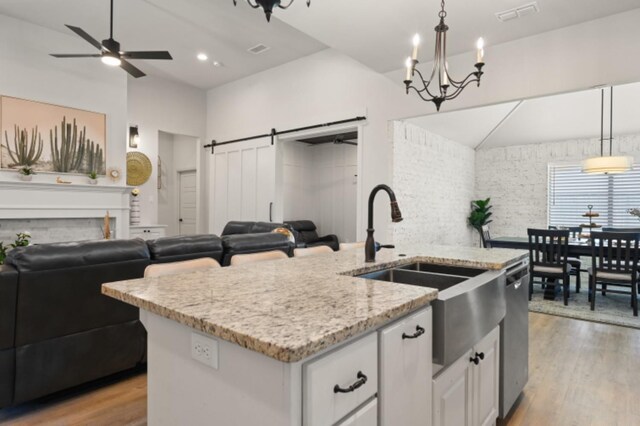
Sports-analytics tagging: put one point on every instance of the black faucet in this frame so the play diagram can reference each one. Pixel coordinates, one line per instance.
(396, 216)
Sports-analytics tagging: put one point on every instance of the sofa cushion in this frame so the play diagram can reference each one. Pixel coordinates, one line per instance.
(8, 300)
(177, 249)
(82, 253)
(48, 366)
(301, 225)
(7, 376)
(237, 227)
(254, 243)
(59, 286)
(264, 227)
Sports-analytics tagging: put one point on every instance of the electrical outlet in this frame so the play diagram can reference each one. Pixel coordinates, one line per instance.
(204, 349)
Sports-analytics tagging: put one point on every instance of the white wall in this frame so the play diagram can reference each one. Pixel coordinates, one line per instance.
(602, 51)
(433, 179)
(27, 71)
(319, 184)
(323, 87)
(516, 178)
(178, 153)
(157, 105)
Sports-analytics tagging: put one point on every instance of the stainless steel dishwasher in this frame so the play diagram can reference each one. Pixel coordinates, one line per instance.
(514, 337)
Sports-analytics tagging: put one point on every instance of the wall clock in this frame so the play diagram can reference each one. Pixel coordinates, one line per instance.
(114, 174)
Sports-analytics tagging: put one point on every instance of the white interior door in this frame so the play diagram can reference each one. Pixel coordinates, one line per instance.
(243, 186)
(187, 206)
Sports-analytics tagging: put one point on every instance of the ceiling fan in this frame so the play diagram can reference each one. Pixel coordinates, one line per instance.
(110, 52)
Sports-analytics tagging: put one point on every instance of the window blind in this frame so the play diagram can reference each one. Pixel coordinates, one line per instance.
(571, 191)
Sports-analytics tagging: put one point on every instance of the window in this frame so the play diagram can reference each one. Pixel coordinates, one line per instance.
(571, 191)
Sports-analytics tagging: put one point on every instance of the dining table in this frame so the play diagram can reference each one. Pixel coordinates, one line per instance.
(578, 247)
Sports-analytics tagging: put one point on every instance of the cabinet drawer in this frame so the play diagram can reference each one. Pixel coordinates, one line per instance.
(405, 371)
(366, 416)
(323, 403)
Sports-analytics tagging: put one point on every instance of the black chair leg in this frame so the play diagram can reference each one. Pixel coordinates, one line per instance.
(592, 291)
(577, 280)
(604, 289)
(565, 285)
(634, 299)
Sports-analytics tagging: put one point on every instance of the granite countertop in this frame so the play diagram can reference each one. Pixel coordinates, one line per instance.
(290, 309)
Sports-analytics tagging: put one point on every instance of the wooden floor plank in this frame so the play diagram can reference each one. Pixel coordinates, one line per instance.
(581, 373)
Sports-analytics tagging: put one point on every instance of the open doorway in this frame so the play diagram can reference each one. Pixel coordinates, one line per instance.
(320, 180)
(177, 183)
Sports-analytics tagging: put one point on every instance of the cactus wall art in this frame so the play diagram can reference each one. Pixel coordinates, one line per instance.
(76, 138)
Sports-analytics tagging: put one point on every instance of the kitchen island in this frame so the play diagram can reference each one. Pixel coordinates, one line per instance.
(264, 343)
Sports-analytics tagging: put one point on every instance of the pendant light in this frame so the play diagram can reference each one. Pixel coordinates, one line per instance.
(440, 86)
(607, 164)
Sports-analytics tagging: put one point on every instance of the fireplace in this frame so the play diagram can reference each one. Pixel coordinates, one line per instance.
(62, 212)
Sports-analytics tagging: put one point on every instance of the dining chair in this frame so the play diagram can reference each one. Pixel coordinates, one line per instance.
(609, 229)
(172, 268)
(351, 246)
(575, 262)
(486, 236)
(614, 257)
(242, 259)
(548, 250)
(310, 251)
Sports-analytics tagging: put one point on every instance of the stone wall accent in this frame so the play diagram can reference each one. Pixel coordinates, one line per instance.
(433, 178)
(516, 178)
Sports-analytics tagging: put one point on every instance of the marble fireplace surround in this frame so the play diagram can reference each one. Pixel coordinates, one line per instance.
(44, 201)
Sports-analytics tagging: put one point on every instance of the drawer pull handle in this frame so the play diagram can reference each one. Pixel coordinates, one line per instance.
(419, 332)
(362, 379)
(475, 360)
(480, 355)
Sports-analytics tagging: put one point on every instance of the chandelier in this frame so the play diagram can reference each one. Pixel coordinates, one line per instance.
(447, 88)
(268, 5)
(609, 164)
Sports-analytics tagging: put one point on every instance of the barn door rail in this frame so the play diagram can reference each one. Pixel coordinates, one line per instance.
(275, 133)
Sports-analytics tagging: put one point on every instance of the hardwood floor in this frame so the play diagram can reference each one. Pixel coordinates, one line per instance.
(580, 373)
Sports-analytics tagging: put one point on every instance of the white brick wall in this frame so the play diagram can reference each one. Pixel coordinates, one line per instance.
(433, 178)
(516, 178)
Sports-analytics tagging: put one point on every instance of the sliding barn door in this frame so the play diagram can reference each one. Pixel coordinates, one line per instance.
(243, 183)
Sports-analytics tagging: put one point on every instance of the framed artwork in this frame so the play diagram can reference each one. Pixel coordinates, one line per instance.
(51, 138)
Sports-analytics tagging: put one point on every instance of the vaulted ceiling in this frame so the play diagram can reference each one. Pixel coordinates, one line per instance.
(548, 119)
(376, 33)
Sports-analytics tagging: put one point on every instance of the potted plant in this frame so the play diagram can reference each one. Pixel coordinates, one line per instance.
(480, 214)
(3, 252)
(93, 178)
(26, 173)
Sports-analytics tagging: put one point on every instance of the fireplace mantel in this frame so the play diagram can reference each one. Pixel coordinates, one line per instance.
(44, 200)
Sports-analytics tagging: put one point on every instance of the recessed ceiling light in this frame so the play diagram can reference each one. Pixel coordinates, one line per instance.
(218, 64)
(202, 57)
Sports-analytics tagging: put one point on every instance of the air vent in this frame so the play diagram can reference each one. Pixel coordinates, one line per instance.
(258, 49)
(518, 12)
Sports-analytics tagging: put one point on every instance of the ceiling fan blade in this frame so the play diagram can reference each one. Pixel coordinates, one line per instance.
(75, 55)
(135, 72)
(82, 33)
(158, 54)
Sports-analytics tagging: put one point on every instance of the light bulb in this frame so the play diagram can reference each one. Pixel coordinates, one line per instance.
(480, 51)
(409, 64)
(416, 43)
(111, 60)
(202, 57)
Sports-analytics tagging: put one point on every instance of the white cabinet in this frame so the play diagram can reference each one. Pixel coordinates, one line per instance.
(406, 370)
(147, 232)
(486, 379)
(466, 393)
(366, 416)
(339, 382)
